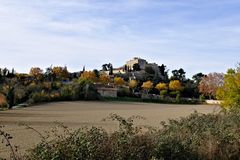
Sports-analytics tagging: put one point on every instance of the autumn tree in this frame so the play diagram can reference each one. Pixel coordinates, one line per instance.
(147, 86)
(88, 75)
(104, 79)
(210, 83)
(119, 81)
(60, 72)
(230, 91)
(36, 72)
(175, 85)
(161, 86)
(133, 84)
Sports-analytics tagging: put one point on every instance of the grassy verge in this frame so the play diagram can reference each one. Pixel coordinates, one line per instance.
(163, 101)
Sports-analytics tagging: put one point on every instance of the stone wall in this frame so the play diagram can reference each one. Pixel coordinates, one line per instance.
(107, 92)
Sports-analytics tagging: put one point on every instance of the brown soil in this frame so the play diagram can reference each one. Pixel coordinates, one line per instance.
(79, 114)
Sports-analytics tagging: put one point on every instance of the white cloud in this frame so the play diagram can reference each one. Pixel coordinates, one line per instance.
(84, 32)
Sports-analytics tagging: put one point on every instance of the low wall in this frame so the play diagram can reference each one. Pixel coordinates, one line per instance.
(213, 102)
(107, 92)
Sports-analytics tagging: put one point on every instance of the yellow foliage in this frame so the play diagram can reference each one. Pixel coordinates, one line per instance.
(161, 86)
(175, 85)
(104, 79)
(147, 85)
(89, 75)
(230, 91)
(36, 71)
(60, 72)
(119, 81)
(220, 93)
(133, 84)
(238, 79)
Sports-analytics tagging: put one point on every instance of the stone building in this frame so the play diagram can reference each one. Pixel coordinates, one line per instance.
(141, 62)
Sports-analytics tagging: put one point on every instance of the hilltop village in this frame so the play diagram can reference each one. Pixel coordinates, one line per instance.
(137, 79)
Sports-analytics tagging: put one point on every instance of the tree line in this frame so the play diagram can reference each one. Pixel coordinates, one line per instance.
(17, 88)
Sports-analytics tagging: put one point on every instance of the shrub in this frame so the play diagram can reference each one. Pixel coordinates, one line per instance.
(198, 136)
(201, 136)
(123, 92)
(163, 93)
(96, 143)
(202, 98)
(20, 94)
(66, 92)
(3, 101)
(39, 97)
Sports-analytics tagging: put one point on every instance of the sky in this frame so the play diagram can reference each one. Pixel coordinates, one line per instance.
(196, 35)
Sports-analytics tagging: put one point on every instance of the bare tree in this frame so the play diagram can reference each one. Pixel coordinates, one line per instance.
(210, 83)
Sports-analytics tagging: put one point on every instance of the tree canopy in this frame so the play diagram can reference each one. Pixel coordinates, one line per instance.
(210, 83)
(230, 91)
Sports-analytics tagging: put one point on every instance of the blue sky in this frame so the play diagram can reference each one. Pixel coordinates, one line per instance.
(197, 35)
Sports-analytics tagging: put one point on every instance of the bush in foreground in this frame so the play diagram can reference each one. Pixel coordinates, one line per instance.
(95, 143)
(198, 136)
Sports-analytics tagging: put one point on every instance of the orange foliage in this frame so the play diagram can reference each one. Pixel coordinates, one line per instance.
(60, 72)
(104, 79)
(89, 75)
(36, 71)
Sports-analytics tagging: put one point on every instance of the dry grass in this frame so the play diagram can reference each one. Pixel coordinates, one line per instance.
(78, 114)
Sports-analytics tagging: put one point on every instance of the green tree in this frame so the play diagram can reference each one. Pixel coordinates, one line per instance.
(136, 67)
(198, 77)
(96, 73)
(149, 69)
(163, 72)
(178, 75)
(230, 91)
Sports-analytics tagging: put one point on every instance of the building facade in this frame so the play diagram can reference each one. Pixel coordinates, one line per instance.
(141, 62)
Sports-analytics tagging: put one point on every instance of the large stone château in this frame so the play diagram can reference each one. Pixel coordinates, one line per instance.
(129, 66)
(141, 62)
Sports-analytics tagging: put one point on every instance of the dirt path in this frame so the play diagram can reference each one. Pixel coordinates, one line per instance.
(78, 114)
